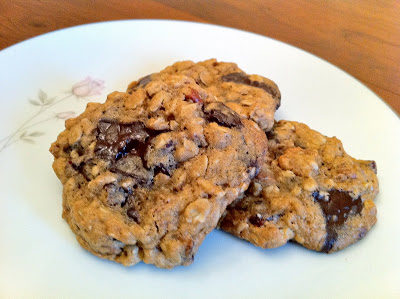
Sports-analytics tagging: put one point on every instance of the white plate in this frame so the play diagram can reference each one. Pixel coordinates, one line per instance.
(39, 255)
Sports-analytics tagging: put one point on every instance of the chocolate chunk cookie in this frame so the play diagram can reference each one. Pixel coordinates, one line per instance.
(251, 96)
(148, 174)
(309, 190)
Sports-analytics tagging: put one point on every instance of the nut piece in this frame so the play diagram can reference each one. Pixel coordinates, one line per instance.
(301, 162)
(197, 211)
(188, 149)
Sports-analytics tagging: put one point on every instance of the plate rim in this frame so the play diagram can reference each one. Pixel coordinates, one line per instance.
(212, 26)
(222, 27)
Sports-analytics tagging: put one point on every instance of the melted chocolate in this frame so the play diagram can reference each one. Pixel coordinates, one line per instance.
(161, 168)
(78, 168)
(121, 142)
(133, 214)
(77, 147)
(222, 115)
(142, 82)
(83, 168)
(339, 206)
(244, 79)
(257, 220)
(115, 140)
(125, 146)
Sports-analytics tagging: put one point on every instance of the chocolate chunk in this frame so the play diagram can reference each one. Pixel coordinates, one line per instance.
(239, 207)
(126, 145)
(133, 214)
(372, 165)
(222, 115)
(79, 167)
(115, 140)
(75, 147)
(80, 150)
(257, 220)
(142, 82)
(103, 126)
(83, 169)
(329, 240)
(242, 78)
(170, 117)
(337, 208)
(161, 168)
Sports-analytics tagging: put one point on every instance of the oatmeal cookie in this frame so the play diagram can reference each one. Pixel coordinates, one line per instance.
(147, 175)
(251, 96)
(309, 190)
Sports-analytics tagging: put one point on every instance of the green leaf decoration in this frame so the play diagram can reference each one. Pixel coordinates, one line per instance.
(35, 103)
(35, 134)
(42, 96)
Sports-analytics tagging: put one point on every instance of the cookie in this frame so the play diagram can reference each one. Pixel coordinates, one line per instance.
(251, 96)
(309, 191)
(147, 175)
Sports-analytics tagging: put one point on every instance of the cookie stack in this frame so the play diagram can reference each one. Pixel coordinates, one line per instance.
(149, 173)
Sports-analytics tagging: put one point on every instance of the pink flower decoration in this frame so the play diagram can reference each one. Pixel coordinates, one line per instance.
(88, 87)
(65, 115)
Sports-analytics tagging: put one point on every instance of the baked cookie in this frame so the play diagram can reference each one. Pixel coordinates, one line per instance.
(251, 96)
(148, 174)
(309, 190)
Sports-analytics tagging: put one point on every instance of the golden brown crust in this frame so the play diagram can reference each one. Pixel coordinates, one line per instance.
(251, 96)
(309, 191)
(148, 174)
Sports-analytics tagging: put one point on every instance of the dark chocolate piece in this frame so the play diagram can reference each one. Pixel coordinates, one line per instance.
(337, 208)
(257, 220)
(133, 214)
(115, 140)
(222, 115)
(242, 78)
(142, 82)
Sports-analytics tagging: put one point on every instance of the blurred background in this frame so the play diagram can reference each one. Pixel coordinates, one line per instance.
(361, 37)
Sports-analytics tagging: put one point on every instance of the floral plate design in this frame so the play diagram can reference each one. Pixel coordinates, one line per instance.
(81, 90)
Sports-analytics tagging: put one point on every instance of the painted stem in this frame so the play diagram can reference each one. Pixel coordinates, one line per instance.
(26, 125)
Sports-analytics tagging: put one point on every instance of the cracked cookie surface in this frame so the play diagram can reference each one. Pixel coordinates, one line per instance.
(148, 174)
(309, 191)
(251, 96)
